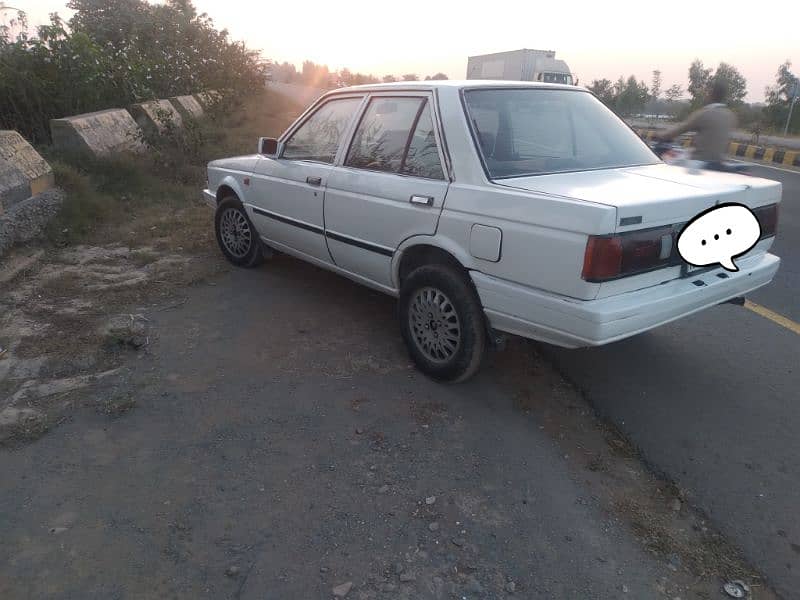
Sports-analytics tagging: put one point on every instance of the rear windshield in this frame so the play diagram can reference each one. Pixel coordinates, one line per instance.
(534, 131)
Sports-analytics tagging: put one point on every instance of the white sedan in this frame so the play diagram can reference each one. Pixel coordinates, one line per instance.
(487, 207)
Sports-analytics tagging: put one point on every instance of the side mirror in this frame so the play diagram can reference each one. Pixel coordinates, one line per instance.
(268, 147)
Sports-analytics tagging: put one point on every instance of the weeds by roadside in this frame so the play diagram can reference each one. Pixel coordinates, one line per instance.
(132, 232)
(157, 188)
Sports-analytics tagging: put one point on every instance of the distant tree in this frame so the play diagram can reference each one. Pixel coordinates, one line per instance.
(315, 75)
(673, 93)
(389, 79)
(655, 85)
(285, 72)
(411, 77)
(604, 90)
(346, 77)
(631, 95)
(779, 97)
(361, 79)
(735, 82)
(437, 77)
(699, 78)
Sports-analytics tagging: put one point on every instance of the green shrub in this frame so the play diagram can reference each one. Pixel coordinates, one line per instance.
(113, 53)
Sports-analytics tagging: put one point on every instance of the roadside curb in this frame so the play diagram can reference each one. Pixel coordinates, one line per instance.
(769, 154)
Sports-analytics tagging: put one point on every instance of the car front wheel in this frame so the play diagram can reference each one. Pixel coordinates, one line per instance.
(442, 323)
(236, 235)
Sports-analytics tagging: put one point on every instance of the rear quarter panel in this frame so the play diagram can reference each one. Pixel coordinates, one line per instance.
(543, 238)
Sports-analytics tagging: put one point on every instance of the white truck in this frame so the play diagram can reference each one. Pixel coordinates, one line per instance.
(520, 65)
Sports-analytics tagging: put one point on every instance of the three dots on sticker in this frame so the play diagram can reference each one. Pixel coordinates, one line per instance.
(716, 236)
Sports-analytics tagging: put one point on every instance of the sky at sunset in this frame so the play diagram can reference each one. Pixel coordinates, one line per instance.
(596, 39)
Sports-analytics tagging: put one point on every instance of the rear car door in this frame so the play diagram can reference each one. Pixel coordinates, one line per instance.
(391, 185)
(288, 191)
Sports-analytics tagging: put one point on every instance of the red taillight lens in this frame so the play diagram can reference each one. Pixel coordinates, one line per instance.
(602, 259)
(768, 219)
(611, 257)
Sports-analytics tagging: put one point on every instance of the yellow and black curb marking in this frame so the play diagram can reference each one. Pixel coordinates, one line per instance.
(787, 158)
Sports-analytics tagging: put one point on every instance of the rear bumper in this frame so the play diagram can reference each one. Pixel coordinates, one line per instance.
(575, 323)
(210, 198)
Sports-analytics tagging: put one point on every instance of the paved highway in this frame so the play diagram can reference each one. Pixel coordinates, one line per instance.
(713, 401)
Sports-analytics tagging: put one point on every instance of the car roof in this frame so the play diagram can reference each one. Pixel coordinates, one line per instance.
(456, 83)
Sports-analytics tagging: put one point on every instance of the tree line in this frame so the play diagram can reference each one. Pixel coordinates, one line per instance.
(631, 96)
(317, 75)
(113, 53)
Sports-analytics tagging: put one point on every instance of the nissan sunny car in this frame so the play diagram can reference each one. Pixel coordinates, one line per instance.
(487, 207)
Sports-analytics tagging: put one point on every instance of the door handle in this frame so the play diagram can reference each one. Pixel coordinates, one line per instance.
(425, 200)
(314, 180)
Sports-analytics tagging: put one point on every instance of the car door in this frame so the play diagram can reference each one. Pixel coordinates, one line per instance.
(286, 203)
(390, 186)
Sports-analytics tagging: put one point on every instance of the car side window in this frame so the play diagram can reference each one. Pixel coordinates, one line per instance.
(422, 158)
(318, 138)
(396, 135)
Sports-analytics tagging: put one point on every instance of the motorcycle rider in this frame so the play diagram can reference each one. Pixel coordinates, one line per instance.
(712, 125)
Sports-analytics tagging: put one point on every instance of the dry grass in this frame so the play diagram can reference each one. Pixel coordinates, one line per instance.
(133, 232)
(138, 199)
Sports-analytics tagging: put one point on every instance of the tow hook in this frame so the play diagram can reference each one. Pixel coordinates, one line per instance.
(738, 301)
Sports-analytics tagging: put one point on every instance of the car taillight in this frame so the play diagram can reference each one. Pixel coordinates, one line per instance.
(614, 256)
(768, 219)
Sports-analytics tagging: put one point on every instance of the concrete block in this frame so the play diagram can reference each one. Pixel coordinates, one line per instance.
(155, 116)
(98, 134)
(27, 219)
(188, 107)
(23, 172)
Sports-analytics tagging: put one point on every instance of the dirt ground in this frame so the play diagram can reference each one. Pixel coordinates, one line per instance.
(172, 427)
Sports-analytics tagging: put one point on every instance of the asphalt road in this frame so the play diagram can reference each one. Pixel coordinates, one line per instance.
(282, 445)
(712, 401)
(783, 295)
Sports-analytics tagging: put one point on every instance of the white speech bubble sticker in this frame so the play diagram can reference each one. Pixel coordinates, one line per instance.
(718, 235)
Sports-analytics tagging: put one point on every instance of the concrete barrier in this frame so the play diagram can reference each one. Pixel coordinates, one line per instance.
(27, 219)
(187, 106)
(95, 135)
(155, 116)
(23, 172)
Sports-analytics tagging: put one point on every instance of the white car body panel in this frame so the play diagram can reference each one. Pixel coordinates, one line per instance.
(527, 259)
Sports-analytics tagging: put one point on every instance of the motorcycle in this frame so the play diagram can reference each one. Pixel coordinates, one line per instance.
(675, 154)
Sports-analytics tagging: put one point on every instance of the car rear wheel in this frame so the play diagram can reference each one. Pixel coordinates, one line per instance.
(236, 235)
(442, 323)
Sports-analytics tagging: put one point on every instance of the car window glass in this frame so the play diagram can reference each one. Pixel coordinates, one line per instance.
(531, 131)
(539, 130)
(422, 158)
(318, 138)
(382, 136)
(486, 120)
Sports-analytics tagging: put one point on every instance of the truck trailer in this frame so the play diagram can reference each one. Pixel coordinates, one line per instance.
(520, 65)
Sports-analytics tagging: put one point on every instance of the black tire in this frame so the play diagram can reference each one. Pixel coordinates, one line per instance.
(456, 306)
(236, 235)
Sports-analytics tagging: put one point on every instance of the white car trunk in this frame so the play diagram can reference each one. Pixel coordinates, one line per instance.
(654, 196)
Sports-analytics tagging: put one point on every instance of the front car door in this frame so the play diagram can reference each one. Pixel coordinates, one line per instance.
(391, 185)
(288, 191)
